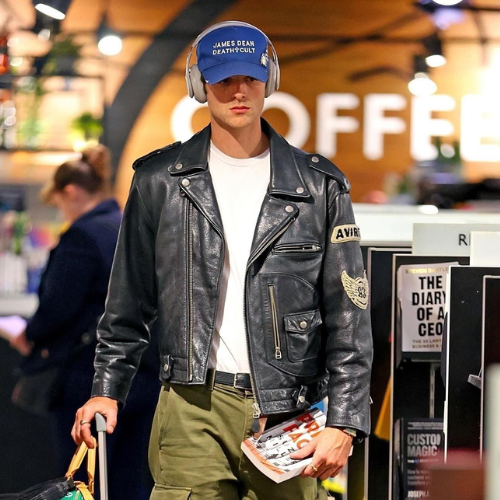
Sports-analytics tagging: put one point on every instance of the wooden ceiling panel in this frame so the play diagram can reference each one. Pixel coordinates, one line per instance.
(308, 76)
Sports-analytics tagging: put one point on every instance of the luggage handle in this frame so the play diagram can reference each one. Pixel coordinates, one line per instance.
(100, 422)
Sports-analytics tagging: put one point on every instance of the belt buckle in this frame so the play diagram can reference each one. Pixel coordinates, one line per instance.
(235, 383)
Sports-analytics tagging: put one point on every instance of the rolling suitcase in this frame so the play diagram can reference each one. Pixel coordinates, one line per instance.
(66, 487)
(82, 491)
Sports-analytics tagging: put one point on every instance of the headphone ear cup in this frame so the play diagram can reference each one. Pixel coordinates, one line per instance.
(272, 83)
(196, 87)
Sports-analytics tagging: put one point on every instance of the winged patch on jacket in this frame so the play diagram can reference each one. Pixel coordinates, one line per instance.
(356, 289)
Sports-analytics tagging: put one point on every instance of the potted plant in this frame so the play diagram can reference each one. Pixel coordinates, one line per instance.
(29, 93)
(62, 57)
(88, 127)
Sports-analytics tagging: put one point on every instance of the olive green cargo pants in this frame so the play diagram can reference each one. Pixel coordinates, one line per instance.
(195, 452)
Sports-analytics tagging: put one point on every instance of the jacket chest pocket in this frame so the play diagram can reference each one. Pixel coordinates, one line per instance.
(303, 339)
(293, 338)
(304, 249)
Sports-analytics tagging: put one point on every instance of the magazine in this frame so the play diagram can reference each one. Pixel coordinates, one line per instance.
(270, 453)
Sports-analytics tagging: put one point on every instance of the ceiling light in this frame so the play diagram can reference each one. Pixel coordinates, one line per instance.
(110, 45)
(422, 85)
(435, 61)
(434, 48)
(447, 3)
(110, 42)
(53, 8)
(443, 16)
(419, 64)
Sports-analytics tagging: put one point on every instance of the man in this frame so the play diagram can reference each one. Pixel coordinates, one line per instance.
(245, 252)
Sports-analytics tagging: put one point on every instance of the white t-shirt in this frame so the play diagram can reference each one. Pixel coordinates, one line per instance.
(240, 186)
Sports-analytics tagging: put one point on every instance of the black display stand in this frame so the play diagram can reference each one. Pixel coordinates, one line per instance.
(380, 299)
(491, 337)
(356, 468)
(417, 391)
(463, 360)
(379, 273)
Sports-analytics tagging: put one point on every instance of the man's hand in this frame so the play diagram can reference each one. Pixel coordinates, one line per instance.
(22, 344)
(331, 451)
(81, 428)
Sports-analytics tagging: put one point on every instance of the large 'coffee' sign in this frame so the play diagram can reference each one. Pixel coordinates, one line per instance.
(478, 127)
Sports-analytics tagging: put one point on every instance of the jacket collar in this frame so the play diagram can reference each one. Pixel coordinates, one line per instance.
(286, 179)
(105, 207)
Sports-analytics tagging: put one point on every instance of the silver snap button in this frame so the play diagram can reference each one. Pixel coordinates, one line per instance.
(303, 325)
(178, 166)
(86, 339)
(299, 190)
(165, 367)
(185, 182)
(302, 399)
(289, 209)
(315, 159)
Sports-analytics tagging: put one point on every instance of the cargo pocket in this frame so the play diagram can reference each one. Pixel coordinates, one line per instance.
(303, 337)
(163, 492)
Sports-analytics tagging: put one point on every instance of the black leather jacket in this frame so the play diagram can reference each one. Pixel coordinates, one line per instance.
(307, 338)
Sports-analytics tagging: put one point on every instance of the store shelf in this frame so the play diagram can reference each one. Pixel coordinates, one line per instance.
(21, 304)
(394, 223)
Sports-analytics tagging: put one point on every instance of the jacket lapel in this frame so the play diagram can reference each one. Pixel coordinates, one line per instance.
(278, 208)
(191, 168)
(286, 187)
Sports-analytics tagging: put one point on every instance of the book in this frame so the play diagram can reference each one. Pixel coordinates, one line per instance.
(418, 442)
(11, 327)
(270, 453)
(421, 310)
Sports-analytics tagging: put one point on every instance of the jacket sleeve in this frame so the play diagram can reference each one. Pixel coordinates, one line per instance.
(347, 318)
(66, 285)
(123, 332)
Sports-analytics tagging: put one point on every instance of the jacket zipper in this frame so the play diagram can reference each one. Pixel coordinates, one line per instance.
(297, 248)
(256, 406)
(276, 332)
(190, 279)
(191, 205)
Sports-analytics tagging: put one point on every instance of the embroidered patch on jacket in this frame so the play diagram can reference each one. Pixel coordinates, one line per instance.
(356, 289)
(347, 232)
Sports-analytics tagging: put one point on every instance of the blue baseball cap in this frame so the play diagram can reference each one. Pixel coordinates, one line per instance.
(231, 51)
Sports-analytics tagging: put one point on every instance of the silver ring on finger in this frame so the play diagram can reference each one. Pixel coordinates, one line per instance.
(83, 422)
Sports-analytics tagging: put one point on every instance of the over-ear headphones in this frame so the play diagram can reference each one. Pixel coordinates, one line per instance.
(194, 79)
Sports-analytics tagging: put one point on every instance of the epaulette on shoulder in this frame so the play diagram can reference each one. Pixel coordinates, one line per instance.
(142, 159)
(324, 165)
